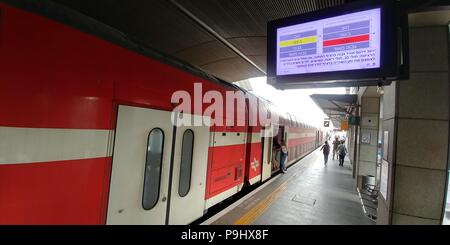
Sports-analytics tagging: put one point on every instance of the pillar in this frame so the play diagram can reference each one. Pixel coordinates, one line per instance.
(368, 135)
(416, 122)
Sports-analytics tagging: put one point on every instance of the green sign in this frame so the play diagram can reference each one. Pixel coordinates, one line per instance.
(352, 120)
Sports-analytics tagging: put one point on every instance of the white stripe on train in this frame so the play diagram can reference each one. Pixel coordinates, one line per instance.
(31, 145)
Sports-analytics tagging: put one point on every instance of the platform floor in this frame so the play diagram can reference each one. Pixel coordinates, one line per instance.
(308, 194)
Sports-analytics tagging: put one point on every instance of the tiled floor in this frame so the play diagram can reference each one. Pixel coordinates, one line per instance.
(308, 194)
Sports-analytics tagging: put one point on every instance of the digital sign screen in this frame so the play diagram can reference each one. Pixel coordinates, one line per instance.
(346, 42)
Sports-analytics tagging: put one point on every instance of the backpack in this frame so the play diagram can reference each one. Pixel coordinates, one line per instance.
(342, 150)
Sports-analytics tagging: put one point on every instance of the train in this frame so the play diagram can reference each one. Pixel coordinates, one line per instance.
(86, 129)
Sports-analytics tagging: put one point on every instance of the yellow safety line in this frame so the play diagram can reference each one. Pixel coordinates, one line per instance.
(262, 206)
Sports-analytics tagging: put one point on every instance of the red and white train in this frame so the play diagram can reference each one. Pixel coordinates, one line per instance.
(86, 135)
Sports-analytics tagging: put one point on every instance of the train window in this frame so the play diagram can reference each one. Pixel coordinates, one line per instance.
(153, 164)
(187, 148)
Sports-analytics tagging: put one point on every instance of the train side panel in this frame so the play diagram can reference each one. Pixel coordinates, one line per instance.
(50, 107)
(69, 83)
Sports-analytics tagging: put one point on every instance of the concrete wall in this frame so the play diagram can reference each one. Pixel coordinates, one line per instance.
(416, 115)
(367, 149)
(352, 134)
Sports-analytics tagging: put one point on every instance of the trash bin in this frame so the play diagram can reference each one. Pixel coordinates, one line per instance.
(368, 180)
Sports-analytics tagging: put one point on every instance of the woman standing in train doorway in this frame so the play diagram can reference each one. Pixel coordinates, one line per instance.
(326, 151)
(283, 156)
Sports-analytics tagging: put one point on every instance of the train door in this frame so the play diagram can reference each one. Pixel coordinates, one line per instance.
(150, 184)
(187, 202)
(141, 165)
(276, 153)
(266, 171)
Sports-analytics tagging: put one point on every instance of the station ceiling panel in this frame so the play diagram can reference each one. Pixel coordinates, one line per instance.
(226, 38)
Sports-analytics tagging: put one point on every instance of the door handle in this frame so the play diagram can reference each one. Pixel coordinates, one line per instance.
(164, 199)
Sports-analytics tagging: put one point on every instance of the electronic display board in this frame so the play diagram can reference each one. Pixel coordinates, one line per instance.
(353, 42)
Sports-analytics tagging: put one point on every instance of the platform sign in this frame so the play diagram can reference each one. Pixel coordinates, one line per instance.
(344, 125)
(352, 120)
(366, 137)
(351, 43)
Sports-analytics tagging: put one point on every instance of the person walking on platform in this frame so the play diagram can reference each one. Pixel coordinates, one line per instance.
(335, 146)
(326, 151)
(283, 156)
(342, 151)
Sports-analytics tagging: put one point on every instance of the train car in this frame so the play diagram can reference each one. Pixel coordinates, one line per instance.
(87, 133)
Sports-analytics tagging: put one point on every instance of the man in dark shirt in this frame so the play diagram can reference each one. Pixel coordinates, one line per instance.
(336, 143)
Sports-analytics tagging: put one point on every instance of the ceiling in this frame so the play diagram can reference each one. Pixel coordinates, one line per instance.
(336, 106)
(371, 92)
(225, 38)
(431, 18)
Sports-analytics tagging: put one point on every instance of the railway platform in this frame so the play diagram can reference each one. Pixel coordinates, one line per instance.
(308, 194)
